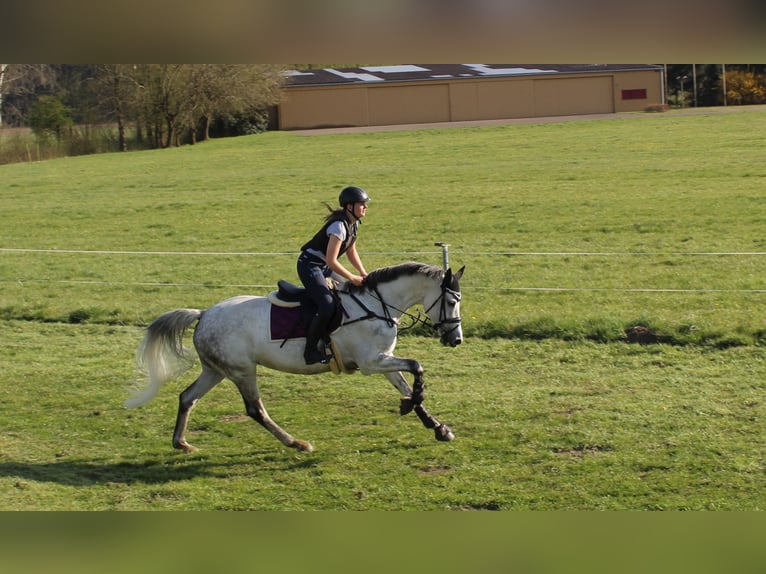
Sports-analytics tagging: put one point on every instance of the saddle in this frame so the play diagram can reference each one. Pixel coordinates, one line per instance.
(291, 311)
(291, 303)
(287, 294)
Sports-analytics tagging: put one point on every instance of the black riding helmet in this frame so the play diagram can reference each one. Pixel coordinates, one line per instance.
(353, 194)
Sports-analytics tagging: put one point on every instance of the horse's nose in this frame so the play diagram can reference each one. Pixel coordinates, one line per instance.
(457, 341)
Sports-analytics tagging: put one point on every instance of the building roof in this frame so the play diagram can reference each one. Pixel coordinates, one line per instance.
(420, 72)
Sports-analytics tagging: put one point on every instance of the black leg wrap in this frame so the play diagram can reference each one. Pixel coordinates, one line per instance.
(425, 417)
(418, 392)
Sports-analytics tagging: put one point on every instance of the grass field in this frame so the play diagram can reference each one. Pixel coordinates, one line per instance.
(571, 234)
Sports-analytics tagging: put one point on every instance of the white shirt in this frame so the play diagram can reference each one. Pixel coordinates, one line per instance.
(338, 230)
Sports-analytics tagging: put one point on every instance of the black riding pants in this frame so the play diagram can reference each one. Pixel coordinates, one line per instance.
(313, 273)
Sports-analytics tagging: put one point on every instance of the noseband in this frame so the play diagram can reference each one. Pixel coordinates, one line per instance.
(443, 319)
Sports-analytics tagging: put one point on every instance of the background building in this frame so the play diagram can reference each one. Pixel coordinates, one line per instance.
(427, 93)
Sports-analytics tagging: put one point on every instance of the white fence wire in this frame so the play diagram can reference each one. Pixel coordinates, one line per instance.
(406, 253)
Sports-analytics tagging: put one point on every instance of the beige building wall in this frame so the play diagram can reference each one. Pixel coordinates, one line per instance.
(492, 99)
(422, 103)
(323, 107)
(650, 81)
(468, 99)
(574, 96)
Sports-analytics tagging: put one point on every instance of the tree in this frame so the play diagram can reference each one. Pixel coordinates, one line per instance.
(160, 90)
(178, 102)
(3, 69)
(49, 116)
(718, 84)
(745, 87)
(710, 86)
(173, 82)
(679, 81)
(226, 90)
(73, 88)
(20, 86)
(115, 86)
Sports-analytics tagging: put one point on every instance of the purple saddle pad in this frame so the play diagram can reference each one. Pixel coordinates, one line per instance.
(286, 323)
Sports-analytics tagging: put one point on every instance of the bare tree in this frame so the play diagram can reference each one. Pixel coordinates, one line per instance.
(168, 84)
(116, 84)
(3, 68)
(181, 100)
(18, 83)
(233, 90)
(169, 103)
(158, 94)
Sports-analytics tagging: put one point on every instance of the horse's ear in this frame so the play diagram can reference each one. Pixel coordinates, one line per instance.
(459, 274)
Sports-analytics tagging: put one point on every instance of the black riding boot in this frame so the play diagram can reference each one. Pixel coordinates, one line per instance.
(314, 333)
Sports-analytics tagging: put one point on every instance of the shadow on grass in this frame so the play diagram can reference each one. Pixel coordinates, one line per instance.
(91, 473)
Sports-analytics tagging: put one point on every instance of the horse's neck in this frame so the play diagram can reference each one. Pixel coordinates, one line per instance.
(405, 291)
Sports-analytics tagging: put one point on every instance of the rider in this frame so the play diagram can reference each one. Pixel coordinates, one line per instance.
(319, 260)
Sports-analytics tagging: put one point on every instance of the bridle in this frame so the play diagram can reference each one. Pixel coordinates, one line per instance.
(438, 326)
(443, 319)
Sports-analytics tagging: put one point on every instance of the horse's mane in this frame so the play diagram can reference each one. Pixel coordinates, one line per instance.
(386, 274)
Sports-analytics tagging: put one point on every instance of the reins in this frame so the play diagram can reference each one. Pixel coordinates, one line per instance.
(443, 319)
(370, 314)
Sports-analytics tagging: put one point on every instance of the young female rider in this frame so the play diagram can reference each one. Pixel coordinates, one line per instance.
(319, 260)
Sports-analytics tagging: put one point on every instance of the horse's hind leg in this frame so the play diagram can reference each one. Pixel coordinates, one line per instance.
(248, 388)
(186, 402)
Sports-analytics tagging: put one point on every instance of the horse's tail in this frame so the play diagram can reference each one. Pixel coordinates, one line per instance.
(161, 355)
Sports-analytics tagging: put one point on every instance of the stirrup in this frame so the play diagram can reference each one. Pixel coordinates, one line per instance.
(316, 356)
(316, 359)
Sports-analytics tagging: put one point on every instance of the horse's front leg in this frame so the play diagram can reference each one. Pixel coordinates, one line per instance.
(412, 398)
(441, 431)
(400, 383)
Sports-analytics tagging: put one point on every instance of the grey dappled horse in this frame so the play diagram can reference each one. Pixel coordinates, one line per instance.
(233, 337)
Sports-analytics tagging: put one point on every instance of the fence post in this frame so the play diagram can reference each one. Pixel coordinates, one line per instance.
(445, 253)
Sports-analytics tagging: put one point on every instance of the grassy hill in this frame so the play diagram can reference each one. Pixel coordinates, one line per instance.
(572, 234)
(569, 230)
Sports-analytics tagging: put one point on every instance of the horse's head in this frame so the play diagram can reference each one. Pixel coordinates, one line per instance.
(443, 308)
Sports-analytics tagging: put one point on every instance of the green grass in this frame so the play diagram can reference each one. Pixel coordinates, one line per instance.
(540, 425)
(551, 408)
(643, 196)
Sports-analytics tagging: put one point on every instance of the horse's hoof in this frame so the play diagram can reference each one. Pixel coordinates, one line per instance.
(186, 447)
(302, 445)
(406, 405)
(444, 433)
